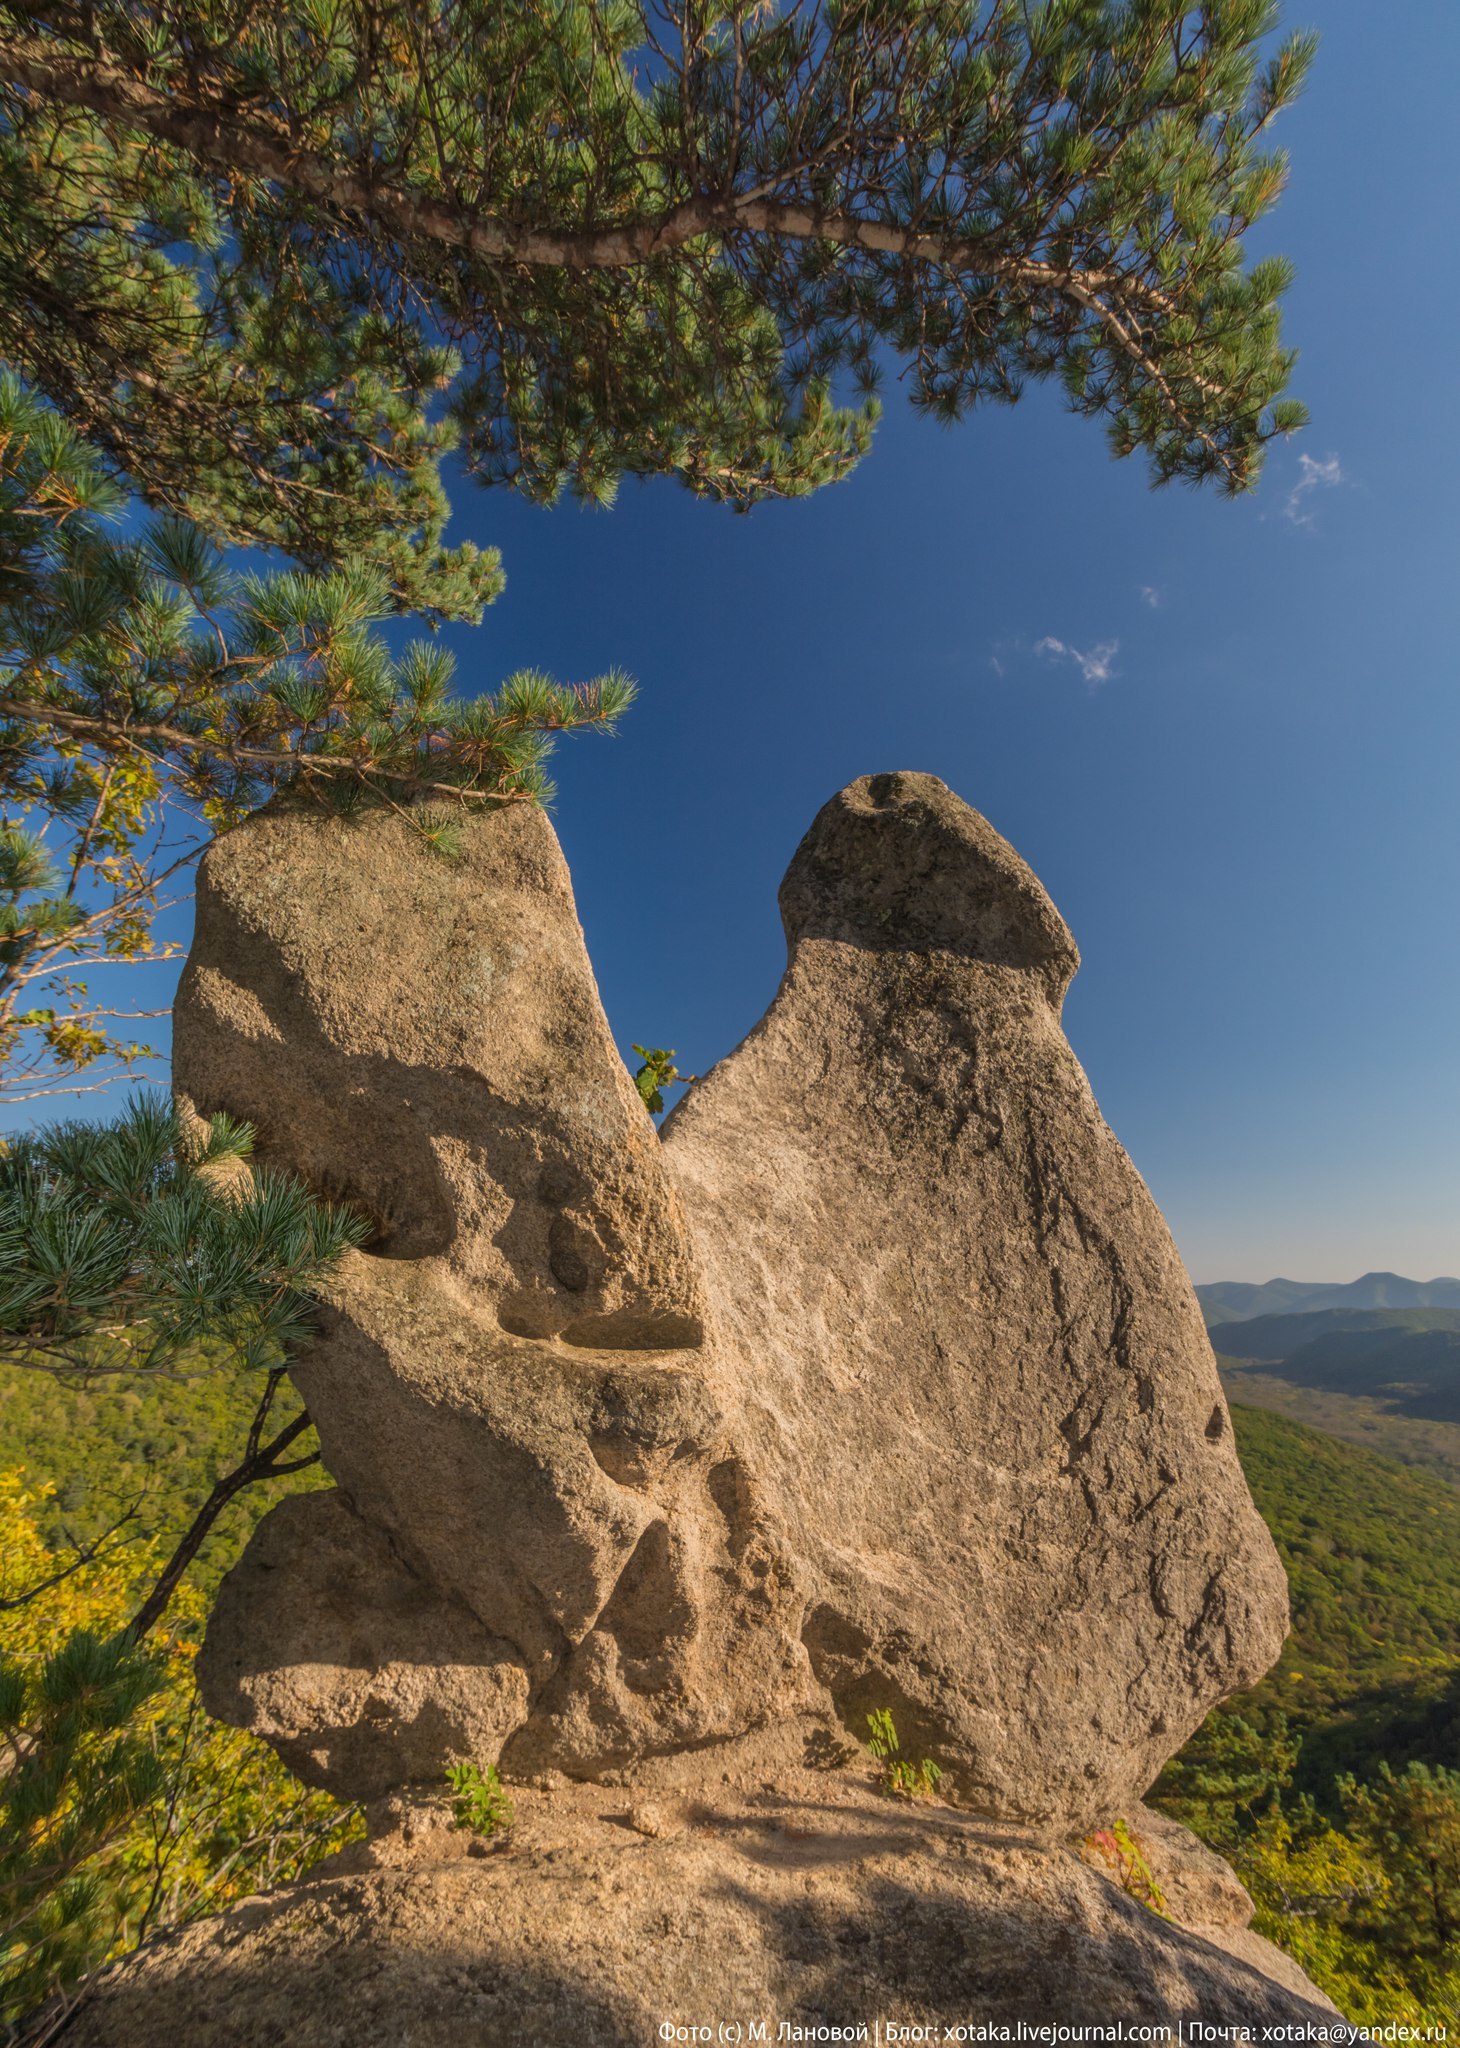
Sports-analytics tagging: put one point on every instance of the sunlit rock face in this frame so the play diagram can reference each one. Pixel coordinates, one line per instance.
(817, 1904)
(877, 1383)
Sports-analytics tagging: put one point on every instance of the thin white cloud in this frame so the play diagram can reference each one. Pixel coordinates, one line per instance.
(1151, 596)
(1313, 475)
(1096, 664)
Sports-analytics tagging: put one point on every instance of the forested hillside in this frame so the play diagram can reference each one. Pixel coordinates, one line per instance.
(1432, 1447)
(1406, 1360)
(1372, 1552)
(1370, 1677)
(1336, 1770)
(1280, 1336)
(152, 1446)
(1386, 1379)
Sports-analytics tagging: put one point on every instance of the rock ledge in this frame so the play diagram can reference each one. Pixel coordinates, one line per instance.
(602, 1918)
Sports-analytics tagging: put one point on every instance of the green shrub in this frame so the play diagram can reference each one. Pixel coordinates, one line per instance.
(480, 1804)
(902, 1778)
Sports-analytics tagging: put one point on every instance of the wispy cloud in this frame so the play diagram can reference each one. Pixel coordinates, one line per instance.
(1151, 596)
(1313, 475)
(1096, 664)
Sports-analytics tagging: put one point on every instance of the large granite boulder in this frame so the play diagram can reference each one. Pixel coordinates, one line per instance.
(532, 1471)
(970, 1369)
(878, 1383)
(810, 1906)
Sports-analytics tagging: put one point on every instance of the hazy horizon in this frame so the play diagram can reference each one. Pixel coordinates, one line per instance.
(1323, 1280)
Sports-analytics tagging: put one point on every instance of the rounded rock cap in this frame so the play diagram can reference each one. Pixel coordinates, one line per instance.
(898, 863)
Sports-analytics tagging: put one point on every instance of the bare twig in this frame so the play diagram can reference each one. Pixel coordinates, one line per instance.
(260, 1462)
(88, 1553)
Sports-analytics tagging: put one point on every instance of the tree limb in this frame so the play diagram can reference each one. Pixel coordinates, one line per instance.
(88, 1553)
(218, 134)
(260, 1461)
(156, 740)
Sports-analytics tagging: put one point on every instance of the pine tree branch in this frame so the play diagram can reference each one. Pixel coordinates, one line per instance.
(155, 741)
(218, 133)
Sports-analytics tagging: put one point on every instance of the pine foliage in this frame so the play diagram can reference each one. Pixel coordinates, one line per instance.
(252, 245)
(151, 694)
(78, 1772)
(124, 1247)
(143, 1246)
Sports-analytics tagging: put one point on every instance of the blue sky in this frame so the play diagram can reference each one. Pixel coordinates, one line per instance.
(1243, 800)
(1225, 735)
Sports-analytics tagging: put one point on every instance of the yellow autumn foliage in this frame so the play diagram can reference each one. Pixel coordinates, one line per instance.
(228, 1819)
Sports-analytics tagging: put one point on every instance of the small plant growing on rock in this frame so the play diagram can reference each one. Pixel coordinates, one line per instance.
(1117, 1848)
(657, 1073)
(902, 1778)
(480, 1804)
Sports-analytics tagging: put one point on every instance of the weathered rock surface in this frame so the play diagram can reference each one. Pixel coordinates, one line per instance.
(970, 1368)
(817, 1903)
(878, 1384)
(507, 1392)
(424, 1037)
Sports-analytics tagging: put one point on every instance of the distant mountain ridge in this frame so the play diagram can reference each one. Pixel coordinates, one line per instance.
(1406, 1359)
(1235, 1301)
(1363, 1329)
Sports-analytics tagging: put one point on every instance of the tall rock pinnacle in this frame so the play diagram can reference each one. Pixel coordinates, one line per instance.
(878, 1383)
